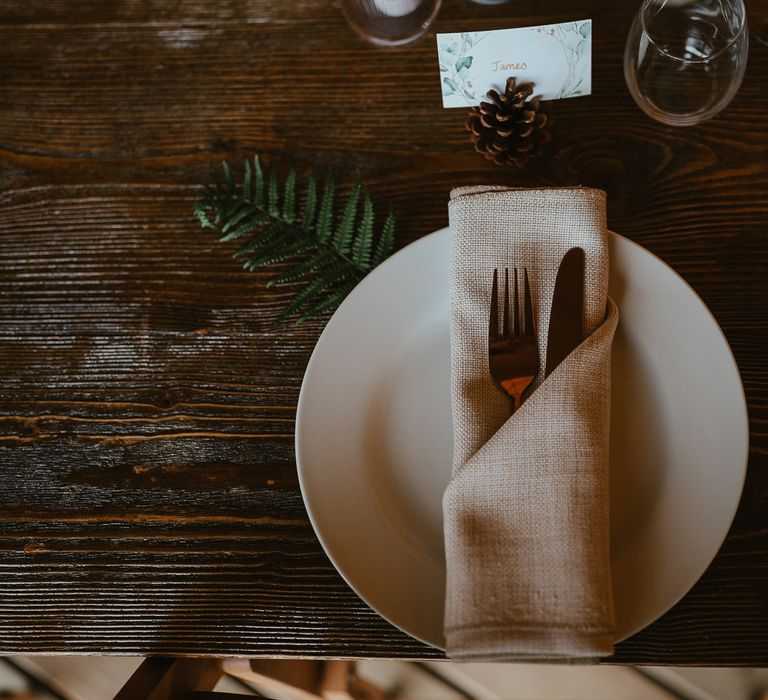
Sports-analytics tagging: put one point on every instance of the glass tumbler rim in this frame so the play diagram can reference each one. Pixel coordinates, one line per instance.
(737, 35)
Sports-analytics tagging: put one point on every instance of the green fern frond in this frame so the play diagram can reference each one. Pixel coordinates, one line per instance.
(361, 252)
(329, 261)
(274, 204)
(343, 235)
(303, 269)
(289, 196)
(331, 301)
(242, 212)
(250, 224)
(202, 212)
(247, 191)
(310, 203)
(280, 249)
(267, 235)
(227, 174)
(325, 215)
(386, 241)
(262, 238)
(331, 275)
(258, 185)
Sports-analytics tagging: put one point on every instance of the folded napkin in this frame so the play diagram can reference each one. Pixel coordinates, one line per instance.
(526, 511)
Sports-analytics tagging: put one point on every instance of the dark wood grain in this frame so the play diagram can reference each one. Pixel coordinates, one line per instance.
(150, 502)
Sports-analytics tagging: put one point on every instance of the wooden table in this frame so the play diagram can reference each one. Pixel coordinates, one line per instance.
(149, 498)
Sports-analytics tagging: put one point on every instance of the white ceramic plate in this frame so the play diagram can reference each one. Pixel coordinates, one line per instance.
(374, 437)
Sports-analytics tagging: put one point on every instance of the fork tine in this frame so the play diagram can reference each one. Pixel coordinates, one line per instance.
(493, 323)
(516, 301)
(505, 316)
(530, 328)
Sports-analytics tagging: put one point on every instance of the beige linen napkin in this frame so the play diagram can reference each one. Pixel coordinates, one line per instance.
(526, 511)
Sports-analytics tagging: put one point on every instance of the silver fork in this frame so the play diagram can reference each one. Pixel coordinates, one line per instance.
(513, 354)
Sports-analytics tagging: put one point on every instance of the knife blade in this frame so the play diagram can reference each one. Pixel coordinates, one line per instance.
(567, 313)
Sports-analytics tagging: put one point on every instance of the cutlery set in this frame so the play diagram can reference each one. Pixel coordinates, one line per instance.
(513, 356)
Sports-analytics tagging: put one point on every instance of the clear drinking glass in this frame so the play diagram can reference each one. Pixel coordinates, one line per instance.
(685, 59)
(390, 22)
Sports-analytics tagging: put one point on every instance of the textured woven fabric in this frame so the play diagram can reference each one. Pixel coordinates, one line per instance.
(526, 511)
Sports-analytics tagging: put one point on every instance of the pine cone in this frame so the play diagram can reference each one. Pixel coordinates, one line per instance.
(511, 128)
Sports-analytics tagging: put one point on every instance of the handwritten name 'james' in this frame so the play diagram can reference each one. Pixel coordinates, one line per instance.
(500, 65)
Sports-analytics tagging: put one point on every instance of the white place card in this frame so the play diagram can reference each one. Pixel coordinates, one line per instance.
(557, 58)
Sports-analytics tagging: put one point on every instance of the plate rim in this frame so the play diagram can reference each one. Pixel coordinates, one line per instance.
(445, 231)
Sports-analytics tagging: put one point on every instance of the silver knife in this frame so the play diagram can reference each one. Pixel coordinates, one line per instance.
(566, 318)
